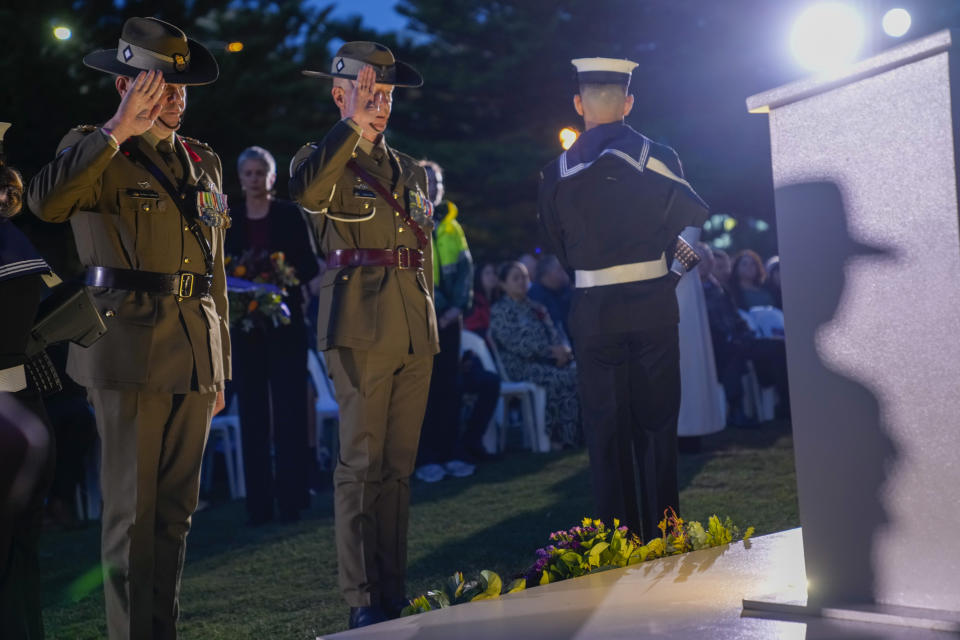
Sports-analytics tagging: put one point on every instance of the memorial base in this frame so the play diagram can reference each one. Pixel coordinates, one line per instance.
(793, 607)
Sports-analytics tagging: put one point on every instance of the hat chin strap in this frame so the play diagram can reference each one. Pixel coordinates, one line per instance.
(171, 127)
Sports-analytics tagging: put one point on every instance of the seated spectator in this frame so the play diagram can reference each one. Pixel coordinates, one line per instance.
(486, 291)
(531, 350)
(721, 268)
(437, 455)
(746, 281)
(529, 261)
(552, 289)
(735, 344)
(485, 386)
(772, 283)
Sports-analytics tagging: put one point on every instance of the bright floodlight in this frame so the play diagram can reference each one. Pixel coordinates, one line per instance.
(827, 36)
(62, 33)
(896, 22)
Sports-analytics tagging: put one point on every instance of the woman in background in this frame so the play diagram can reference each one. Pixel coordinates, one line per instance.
(531, 350)
(485, 293)
(746, 281)
(270, 364)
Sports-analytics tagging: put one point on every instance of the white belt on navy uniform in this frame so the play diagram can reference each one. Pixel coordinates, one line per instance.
(622, 273)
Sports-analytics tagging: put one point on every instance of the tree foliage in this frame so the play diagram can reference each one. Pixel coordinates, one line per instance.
(498, 89)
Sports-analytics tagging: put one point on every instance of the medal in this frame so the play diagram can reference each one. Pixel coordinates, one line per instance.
(421, 209)
(213, 210)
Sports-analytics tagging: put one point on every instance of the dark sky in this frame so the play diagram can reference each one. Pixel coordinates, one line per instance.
(379, 14)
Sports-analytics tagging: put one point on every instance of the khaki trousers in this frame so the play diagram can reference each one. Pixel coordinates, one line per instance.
(382, 400)
(151, 446)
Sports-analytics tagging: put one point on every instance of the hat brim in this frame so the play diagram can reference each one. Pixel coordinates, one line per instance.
(203, 66)
(407, 76)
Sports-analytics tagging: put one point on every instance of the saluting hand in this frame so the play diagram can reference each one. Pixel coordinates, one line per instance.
(360, 96)
(139, 107)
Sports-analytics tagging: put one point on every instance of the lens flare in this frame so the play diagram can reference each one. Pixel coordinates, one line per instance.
(568, 135)
(827, 37)
(896, 22)
(62, 33)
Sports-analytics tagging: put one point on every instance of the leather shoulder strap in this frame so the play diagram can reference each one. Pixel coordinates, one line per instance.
(384, 193)
(133, 152)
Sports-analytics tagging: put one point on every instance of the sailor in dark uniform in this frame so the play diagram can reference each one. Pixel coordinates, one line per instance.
(614, 207)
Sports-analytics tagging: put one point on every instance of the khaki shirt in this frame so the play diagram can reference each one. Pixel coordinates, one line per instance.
(122, 218)
(377, 308)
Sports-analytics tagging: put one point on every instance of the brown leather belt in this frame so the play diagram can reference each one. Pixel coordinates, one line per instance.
(401, 258)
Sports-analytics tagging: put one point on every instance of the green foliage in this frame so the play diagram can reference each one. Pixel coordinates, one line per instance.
(584, 549)
(281, 580)
(456, 590)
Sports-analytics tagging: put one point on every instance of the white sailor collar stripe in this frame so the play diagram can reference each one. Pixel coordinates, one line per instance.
(37, 265)
(637, 163)
(644, 161)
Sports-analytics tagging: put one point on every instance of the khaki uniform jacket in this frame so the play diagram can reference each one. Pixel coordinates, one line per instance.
(374, 308)
(153, 342)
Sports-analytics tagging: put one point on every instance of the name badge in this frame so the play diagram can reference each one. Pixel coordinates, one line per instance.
(143, 194)
(213, 210)
(362, 191)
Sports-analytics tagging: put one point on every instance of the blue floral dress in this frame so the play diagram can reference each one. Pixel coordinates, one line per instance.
(523, 334)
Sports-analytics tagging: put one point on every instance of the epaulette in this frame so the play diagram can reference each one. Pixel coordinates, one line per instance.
(86, 128)
(193, 142)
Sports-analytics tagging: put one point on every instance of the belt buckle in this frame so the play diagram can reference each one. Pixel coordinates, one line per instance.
(185, 290)
(403, 257)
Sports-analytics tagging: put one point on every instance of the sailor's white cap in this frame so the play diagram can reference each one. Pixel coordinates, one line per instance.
(604, 70)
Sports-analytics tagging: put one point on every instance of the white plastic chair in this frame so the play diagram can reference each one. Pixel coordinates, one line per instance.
(325, 407)
(225, 431)
(532, 397)
(759, 403)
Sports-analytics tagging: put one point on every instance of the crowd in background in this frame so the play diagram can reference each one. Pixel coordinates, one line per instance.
(519, 310)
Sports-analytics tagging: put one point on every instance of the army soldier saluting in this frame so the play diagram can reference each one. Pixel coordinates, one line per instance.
(149, 223)
(369, 209)
(613, 206)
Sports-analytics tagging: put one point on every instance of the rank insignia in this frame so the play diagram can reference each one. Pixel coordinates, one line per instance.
(213, 210)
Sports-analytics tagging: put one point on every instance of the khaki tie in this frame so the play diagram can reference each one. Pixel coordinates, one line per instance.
(165, 148)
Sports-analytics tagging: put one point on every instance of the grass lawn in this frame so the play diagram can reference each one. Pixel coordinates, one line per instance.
(280, 581)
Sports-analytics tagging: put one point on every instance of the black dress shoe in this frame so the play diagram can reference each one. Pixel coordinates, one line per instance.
(365, 616)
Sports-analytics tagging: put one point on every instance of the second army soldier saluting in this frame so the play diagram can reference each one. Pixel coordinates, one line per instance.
(369, 209)
(149, 223)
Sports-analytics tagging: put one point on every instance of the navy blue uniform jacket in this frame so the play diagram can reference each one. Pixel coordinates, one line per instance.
(616, 197)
